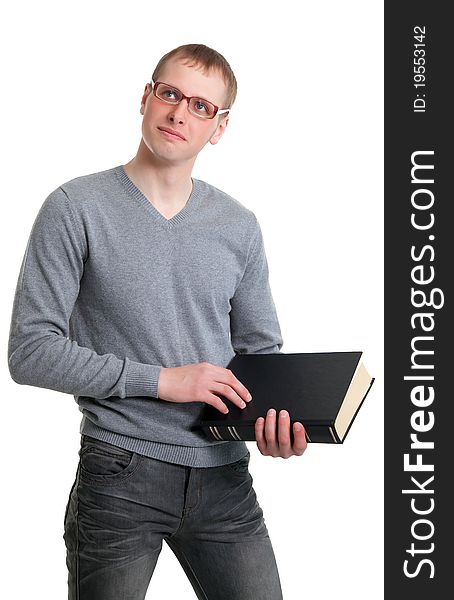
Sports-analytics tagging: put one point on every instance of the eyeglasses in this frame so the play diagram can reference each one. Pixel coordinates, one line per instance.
(197, 106)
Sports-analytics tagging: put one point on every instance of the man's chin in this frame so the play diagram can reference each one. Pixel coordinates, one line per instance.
(171, 157)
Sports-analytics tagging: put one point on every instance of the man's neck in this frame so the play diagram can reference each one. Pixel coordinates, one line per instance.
(166, 187)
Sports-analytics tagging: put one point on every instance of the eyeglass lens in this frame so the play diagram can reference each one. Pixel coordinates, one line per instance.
(197, 106)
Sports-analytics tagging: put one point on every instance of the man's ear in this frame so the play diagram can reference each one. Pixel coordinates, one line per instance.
(220, 129)
(146, 93)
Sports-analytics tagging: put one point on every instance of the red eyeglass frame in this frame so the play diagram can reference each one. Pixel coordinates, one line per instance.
(218, 110)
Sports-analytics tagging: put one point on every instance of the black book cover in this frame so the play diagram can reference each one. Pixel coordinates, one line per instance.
(312, 387)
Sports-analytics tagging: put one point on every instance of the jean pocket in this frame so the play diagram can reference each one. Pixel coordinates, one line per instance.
(240, 467)
(105, 463)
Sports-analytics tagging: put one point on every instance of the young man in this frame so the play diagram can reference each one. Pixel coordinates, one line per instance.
(138, 285)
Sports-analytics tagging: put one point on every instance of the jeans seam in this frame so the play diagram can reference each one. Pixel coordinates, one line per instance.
(110, 453)
(88, 478)
(187, 563)
(77, 538)
(199, 497)
(187, 511)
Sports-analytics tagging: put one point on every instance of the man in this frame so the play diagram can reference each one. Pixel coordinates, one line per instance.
(138, 285)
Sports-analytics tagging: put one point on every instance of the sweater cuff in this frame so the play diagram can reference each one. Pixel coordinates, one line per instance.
(142, 379)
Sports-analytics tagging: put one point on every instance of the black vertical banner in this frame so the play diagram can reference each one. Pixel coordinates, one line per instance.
(419, 269)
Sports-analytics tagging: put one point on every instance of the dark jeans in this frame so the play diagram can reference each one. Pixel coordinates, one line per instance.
(122, 505)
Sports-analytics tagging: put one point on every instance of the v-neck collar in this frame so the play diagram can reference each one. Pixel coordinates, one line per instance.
(191, 204)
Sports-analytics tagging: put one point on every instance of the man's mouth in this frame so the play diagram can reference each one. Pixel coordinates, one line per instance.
(171, 133)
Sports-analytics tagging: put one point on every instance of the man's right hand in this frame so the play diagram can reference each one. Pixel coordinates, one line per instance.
(201, 382)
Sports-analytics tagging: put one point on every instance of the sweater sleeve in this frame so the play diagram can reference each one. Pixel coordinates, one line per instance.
(253, 320)
(40, 352)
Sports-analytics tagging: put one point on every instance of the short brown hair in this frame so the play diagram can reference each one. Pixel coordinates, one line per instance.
(208, 60)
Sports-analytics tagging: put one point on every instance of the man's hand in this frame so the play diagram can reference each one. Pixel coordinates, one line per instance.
(265, 435)
(200, 382)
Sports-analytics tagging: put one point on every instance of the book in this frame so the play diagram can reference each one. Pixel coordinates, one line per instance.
(322, 390)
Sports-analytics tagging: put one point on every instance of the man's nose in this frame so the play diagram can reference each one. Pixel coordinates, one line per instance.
(179, 112)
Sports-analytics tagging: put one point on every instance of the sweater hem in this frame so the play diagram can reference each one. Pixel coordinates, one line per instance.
(213, 455)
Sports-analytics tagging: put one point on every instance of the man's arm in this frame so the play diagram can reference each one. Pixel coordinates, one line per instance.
(255, 330)
(253, 320)
(39, 351)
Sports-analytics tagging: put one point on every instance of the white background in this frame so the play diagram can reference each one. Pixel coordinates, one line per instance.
(311, 169)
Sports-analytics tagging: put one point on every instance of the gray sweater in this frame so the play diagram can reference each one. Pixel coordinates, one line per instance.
(110, 291)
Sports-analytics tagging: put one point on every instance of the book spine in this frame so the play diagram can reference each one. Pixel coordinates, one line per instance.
(322, 434)
(229, 432)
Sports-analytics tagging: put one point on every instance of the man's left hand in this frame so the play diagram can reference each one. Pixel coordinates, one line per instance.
(265, 435)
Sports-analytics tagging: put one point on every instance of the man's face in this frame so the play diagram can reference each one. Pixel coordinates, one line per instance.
(196, 132)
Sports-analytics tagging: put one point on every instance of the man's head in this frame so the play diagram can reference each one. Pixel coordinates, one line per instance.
(205, 59)
(196, 71)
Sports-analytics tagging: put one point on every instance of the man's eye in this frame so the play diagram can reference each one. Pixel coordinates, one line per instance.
(169, 93)
(200, 106)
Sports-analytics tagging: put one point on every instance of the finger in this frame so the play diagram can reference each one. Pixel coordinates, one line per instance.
(270, 430)
(299, 439)
(229, 393)
(285, 448)
(260, 436)
(230, 379)
(213, 375)
(215, 401)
